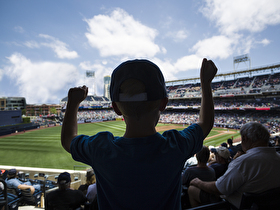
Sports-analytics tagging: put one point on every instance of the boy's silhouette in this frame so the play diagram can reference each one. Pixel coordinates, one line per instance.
(142, 169)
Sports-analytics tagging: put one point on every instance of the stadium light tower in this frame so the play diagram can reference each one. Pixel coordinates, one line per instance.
(91, 75)
(241, 59)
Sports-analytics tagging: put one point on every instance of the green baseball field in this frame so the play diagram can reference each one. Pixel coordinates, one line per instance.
(41, 148)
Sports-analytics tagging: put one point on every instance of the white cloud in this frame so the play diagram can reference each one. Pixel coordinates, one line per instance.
(178, 36)
(188, 62)
(214, 47)
(235, 16)
(168, 69)
(181, 35)
(265, 42)
(19, 29)
(31, 44)
(121, 35)
(39, 82)
(1, 74)
(59, 47)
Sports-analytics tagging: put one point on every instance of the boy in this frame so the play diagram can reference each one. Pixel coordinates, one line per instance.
(142, 169)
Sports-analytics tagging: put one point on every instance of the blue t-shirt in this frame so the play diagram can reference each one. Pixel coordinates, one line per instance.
(138, 173)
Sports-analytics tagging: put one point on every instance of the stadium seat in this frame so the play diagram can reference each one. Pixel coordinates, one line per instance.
(269, 199)
(250, 201)
(3, 196)
(220, 205)
(8, 200)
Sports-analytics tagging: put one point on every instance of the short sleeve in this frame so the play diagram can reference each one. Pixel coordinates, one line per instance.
(231, 181)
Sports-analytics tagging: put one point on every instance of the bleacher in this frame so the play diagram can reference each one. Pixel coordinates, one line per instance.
(47, 178)
(261, 85)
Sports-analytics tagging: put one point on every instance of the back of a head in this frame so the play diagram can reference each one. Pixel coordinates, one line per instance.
(224, 144)
(137, 86)
(64, 180)
(12, 173)
(90, 177)
(256, 132)
(229, 141)
(223, 152)
(203, 155)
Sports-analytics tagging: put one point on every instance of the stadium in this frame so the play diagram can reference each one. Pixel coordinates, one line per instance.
(239, 97)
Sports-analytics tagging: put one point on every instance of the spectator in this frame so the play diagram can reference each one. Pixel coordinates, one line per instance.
(224, 144)
(142, 169)
(90, 179)
(254, 172)
(277, 144)
(91, 192)
(202, 171)
(14, 183)
(64, 197)
(222, 157)
(231, 147)
(212, 155)
(238, 153)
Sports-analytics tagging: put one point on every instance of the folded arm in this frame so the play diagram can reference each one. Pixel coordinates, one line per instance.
(209, 187)
(26, 187)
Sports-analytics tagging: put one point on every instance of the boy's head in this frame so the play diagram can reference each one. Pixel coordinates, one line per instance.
(137, 87)
(144, 71)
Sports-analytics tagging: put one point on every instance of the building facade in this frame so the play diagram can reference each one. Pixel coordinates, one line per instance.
(12, 103)
(42, 109)
(107, 81)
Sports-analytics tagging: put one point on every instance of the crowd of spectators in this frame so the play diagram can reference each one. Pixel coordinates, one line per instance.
(232, 120)
(96, 115)
(234, 103)
(251, 170)
(245, 85)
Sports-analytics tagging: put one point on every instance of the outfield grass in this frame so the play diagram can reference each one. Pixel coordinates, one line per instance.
(41, 148)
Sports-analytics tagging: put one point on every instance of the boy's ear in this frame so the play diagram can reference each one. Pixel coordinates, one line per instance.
(116, 108)
(163, 104)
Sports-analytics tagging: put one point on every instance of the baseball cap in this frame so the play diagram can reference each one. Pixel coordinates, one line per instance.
(223, 152)
(12, 171)
(144, 71)
(64, 178)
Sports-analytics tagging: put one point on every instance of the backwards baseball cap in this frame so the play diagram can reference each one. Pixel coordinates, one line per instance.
(223, 152)
(12, 171)
(144, 71)
(64, 178)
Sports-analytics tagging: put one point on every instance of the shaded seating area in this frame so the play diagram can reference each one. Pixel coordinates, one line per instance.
(250, 201)
(8, 200)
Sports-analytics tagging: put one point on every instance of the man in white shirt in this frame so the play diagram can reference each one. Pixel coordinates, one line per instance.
(256, 171)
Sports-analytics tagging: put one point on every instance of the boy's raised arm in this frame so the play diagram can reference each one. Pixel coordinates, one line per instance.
(69, 127)
(206, 116)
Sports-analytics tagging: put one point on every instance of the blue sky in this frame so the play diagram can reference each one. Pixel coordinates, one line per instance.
(46, 46)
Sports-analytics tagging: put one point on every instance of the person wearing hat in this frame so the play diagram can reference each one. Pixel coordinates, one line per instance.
(64, 197)
(222, 159)
(14, 183)
(90, 179)
(141, 169)
(256, 171)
